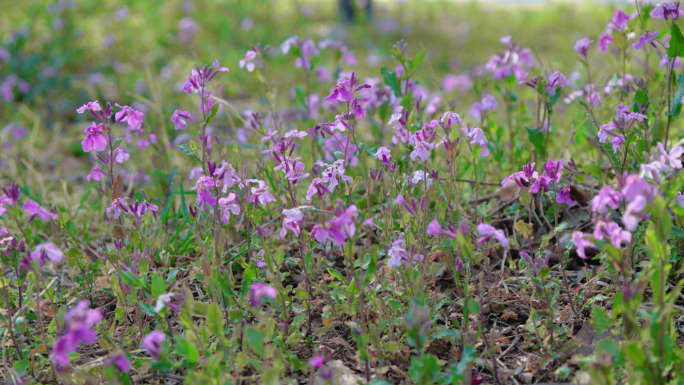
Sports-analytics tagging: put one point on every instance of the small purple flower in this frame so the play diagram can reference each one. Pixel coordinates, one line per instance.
(582, 46)
(487, 231)
(607, 197)
(646, 38)
(95, 139)
(152, 343)
(316, 362)
(120, 361)
(91, 106)
(119, 205)
(178, 118)
(556, 80)
(34, 209)
(258, 291)
(248, 61)
(564, 196)
(48, 250)
(227, 205)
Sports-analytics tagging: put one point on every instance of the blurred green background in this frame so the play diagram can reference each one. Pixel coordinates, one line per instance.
(72, 51)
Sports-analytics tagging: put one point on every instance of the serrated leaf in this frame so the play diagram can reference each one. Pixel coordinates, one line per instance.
(526, 229)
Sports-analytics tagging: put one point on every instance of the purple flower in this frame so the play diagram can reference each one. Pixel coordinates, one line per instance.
(384, 154)
(152, 343)
(120, 155)
(260, 194)
(420, 177)
(228, 205)
(164, 300)
(178, 118)
(680, 198)
(450, 118)
(556, 80)
(258, 291)
(132, 117)
(610, 230)
(48, 250)
(582, 46)
(564, 196)
(91, 106)
(341, 92)
(120, 361)
(79, 323)
(646, 38)
(477, 137)
(323, 74)
(343, 226)
(34, 209)
(671, 159)
(607, 197)
(581, 243)
(248, 61)
(204, 186)
(634, 213)
(487, 103)
(604, 40)
(119, 205)
(219, 68)
(317, 361)
(434, 228)
(397, 254)
(95, 138)
(667, 11)
(487, 231)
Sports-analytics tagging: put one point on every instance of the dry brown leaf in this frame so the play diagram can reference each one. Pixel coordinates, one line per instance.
(508, 315)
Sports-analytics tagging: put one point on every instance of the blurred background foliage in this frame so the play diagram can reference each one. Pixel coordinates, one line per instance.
(55, 56)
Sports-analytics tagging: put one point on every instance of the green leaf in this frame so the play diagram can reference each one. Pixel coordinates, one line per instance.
(301, 96)
(635, 353)
(254, 340)
(544, 272)
(554, 98)
(215, 319)
(525, 198)
(537, 140)
(308, 260)
(214, 111)
(147, 308)
(158, 286)
(676, 43)
(676, 107)
(133, 280)
(71, 228)
(414, 63)
(187, 350)
(641, 97)
(392, 81)
(601, 319)
(336, 274)
(21, 366)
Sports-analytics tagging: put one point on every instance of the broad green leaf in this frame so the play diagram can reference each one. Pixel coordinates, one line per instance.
(537, 139)
(676, 43)
(600, 319)
(392, 81)
(254, 340)
(215, 319)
